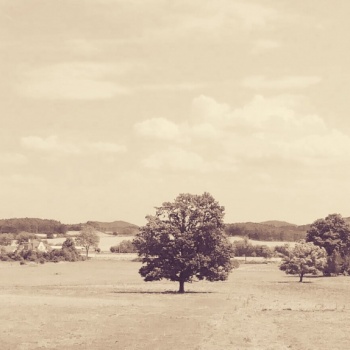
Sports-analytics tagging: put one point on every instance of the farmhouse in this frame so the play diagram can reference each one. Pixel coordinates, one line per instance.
(35, 245)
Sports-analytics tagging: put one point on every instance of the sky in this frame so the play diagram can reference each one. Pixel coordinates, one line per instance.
(111, 107)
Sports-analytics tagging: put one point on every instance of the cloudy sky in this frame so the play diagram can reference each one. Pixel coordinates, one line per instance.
(111, 107)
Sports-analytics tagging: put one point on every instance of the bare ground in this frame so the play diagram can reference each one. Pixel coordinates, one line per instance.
(106, 305)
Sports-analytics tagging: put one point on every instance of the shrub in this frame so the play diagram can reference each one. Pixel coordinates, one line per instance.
(334, 264)
(235, 263)
(245, 248)
(125, 246)
(282, 250)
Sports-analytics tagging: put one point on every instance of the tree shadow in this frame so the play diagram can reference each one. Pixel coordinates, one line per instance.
(290, 282)
(171, 292)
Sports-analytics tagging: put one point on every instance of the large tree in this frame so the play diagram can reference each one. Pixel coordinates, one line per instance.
(88, 238)
(304, 258)
(185, 240)
(331, 233)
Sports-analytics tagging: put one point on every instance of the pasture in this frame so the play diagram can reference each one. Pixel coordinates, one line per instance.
(101, 304)
(107, 241)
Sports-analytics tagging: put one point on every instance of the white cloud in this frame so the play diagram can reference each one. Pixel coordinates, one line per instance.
(272, 128)
(13, 158)
(264, 131)
(158, 128)
(105, 147)
(205, 131)
(80, 80)
(289, 82)
(174, 158)
(49, 144)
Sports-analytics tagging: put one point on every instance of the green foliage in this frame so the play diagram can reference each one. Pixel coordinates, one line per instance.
(125, 246)
(24, 237)
(245, 248)
(304, 258)
(75, 227)
(282, 250)
(267, 231)
(31, 225)
(67, 253)
(6, 238)
(185, 241)
(117, 227)
(334, 264)
(331, 233)
(88, 238)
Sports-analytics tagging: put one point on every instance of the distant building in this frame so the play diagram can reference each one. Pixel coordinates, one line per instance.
(35, 245)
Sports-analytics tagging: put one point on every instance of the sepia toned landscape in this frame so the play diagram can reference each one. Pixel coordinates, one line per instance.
(174, 175)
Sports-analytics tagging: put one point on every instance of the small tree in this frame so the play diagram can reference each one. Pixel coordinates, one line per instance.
(23, 237)
(185, 241)
(304, 258)
(6, 238)
(88, 238)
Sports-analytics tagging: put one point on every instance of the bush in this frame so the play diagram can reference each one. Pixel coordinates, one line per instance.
(245, 248)
(334, 264)
(125, 246)
(282, 250)
(235, 263)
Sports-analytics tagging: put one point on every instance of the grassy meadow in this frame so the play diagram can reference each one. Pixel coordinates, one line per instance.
(107, 241)
(100, 304)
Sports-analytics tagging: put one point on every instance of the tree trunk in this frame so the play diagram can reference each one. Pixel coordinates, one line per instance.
(182, 287)
(301, 277)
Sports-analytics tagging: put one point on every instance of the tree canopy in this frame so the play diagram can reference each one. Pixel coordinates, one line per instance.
(185, 240)
(88, 238)
(331, 233)
(304, 258)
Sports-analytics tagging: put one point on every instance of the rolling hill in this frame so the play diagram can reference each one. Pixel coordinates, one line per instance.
(116, 227)
(267, 231)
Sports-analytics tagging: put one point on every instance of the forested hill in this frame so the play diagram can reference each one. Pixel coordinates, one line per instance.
(263, 231)
(32, 225)
(35, 225)
(115, 227)
(268, 231)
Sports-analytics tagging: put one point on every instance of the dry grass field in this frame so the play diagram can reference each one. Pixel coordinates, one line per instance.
(107, 241)
(105, 305)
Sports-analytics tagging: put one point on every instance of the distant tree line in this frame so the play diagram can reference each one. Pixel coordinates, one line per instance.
(32, 225)
(117, 228)
(263, 232)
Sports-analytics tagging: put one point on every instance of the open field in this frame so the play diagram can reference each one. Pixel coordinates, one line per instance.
(107, 241)
(270, 244)
(106, 305)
